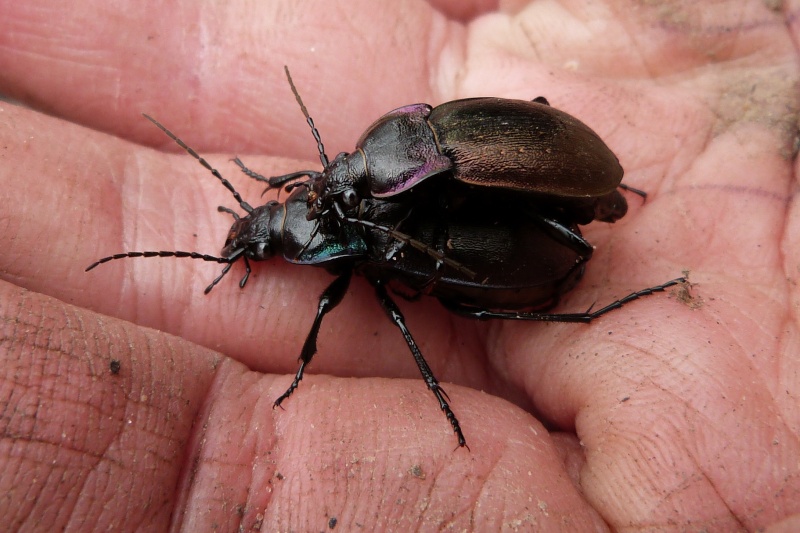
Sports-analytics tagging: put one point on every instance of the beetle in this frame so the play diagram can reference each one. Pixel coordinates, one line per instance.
(481, 260)
(526, 148)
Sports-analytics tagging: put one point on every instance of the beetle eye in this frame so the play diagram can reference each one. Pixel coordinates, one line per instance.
(349, 198)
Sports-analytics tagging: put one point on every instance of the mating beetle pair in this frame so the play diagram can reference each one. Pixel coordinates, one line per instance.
(489, 145)
(508, 251)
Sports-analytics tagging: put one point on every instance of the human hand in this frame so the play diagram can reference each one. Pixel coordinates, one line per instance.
(657, 415)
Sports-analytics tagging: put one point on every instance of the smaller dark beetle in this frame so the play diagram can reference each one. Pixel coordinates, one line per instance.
(480, 258)
(524, 147)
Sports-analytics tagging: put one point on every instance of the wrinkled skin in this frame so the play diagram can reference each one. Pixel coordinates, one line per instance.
(667, 415)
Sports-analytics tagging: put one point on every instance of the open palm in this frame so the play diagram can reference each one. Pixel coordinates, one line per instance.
(666, 414)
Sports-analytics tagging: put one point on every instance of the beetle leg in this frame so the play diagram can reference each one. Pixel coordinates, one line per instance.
(330, 298)
(588, 316)
(427, 374)
(255, 175)
(275, 182)
(634, 190)
(567, 236)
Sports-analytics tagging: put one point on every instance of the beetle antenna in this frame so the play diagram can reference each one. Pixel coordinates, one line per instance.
(228, 261)
(408, 240)
(177, 253)
(322, 157)
(308, 242)
(244, 205)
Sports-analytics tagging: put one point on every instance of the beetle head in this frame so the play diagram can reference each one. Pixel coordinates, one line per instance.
(339, 184)
(249, 236)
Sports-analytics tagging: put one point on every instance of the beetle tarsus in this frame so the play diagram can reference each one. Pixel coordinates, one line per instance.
(249, 173)
(298, 376)
(634, 190)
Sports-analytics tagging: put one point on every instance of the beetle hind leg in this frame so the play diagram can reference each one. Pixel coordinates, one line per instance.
(586, 317)
(427, 374)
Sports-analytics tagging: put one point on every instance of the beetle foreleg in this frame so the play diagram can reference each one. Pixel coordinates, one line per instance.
(427, 374)
(276, 182)
(330, 298)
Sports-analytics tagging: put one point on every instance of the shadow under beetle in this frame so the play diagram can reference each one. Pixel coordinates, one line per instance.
(488, 255)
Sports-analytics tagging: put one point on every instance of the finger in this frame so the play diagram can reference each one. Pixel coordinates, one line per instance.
(208, 67)
(655, 390)
(177, 425)
(84, 442)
